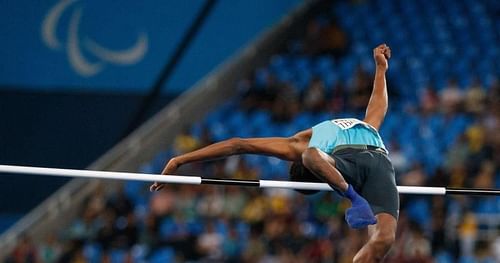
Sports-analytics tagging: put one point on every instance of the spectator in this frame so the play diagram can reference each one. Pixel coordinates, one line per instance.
(417, 247)
(416, 176)
(350, 244)
(326, 208)
(149, 234)
(120, 203)
(50, 250)
(429, 101)
(496, 249)
(324, 36)
(243, 171)
(482, 253)
(210, 243)
(458, 174)
(73, 252)
(255, 249)
(286, 105)
(451, 98)
(278, 201)
(126, 231)
(486, 176)
(333, 40)
(255, 209)
(439, 241)
(399, 160)
(468, 235)
(312, 36)
(185, 142)
(97, 202)
(314, 97)
(475, 98)
(478, 149)
(186, 202)
(231, 246)
(83, 227)
(24, 251)
(234, 202)
(361, 90)
(107, 232)
(338, 99)
(457, 154)
(212, 203)
(162, 203)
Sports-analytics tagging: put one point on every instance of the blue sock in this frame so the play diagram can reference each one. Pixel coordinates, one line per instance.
(350, 193)
(360, 214)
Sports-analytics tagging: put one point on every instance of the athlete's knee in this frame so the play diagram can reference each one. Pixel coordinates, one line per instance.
(376, 249)
(384, 241)
(311, 156)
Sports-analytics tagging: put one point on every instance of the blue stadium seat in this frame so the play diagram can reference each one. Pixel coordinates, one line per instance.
(418, 209)
(92, 252)
(467, 259)
(139, 253)
(163, 255)
(195, 226)
(117, 255)
(279, 61)
(444, 257)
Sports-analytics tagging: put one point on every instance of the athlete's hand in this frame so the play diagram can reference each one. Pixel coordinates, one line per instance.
(170, 168)
(382, 54)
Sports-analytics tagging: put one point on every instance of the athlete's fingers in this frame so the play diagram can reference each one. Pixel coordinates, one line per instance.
(387, 52)
(155, 187)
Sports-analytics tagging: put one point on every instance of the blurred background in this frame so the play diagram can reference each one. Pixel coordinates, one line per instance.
(126, 85)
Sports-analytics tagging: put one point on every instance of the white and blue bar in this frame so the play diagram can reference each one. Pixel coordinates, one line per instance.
(196, 180)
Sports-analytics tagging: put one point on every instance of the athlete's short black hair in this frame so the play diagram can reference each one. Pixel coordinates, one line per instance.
(298, 173)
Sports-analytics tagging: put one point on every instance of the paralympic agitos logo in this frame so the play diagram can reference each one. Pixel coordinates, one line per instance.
(76, 42)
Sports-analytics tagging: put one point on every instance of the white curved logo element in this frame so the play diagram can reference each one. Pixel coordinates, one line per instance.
(76, 57)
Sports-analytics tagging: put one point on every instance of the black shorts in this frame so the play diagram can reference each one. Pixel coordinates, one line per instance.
(371, 174)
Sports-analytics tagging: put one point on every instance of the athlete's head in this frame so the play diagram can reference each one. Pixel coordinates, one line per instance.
(298, 173)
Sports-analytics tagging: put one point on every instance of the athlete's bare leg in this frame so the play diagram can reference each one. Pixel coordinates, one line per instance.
(323, 166)
(382, 238)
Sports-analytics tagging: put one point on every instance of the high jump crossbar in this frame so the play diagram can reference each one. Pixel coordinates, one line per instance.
(197, 180)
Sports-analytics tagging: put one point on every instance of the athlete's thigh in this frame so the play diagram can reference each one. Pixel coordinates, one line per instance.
(346, 163)
(379, 187)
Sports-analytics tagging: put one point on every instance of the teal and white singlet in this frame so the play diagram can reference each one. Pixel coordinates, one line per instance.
(329, 134)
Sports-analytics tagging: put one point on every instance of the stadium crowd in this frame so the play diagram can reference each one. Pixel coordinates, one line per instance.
(437, 136)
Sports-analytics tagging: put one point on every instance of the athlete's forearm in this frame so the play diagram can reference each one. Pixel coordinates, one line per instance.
(378, 104)
(284, 148)
(214, 151)
(379, 94)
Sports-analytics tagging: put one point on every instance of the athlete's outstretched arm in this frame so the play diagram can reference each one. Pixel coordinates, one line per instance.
(377, 106)
(286, 148)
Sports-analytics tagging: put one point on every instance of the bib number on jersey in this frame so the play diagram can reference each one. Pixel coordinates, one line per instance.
(345, 124)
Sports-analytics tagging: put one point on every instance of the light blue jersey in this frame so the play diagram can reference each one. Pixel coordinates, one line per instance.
(329, 134)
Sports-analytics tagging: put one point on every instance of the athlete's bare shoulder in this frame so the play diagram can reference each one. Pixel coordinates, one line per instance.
(301, 140)
(304, 135)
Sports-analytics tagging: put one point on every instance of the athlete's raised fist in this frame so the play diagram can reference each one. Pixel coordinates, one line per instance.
(382, 54)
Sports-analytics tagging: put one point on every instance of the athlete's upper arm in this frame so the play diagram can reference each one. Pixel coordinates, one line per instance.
(377, 106)
(286, 148)
(375, 117)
